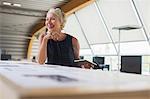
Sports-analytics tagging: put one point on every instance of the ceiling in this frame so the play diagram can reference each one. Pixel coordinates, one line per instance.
(22, 19)
(41, 5)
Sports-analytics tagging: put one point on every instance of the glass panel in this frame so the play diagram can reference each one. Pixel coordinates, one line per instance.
(135, 48)
(120, 13)
(89, 58)
(103, 49)
(143, 7)
(112, 61)
(72, 28)
(146, 65)
(85, 52)
(92, 25)
(130, 35)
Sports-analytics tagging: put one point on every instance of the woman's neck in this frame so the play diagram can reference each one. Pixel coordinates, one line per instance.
(61, 37)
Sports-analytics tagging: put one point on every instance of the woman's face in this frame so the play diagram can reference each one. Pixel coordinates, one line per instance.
(52, 22)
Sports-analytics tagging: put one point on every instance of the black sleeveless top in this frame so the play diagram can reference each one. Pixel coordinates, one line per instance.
(61, 52)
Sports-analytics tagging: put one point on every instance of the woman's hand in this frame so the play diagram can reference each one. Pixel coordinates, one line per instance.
(53, 36)
(87, 65)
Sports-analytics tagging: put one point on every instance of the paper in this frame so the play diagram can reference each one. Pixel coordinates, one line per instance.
(54, 76)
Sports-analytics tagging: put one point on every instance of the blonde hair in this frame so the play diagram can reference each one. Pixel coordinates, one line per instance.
(60, 14)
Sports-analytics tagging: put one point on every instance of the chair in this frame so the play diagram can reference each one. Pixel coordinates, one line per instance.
(81, 57)
(100, 63)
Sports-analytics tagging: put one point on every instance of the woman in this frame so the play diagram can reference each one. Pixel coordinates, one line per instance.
(57, 47)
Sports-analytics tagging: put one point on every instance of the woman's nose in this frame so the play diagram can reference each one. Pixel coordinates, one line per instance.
(49, 21)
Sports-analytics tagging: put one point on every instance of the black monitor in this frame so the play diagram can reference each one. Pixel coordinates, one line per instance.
(99, 60)
(131, 64)
(5, 57)
(81, 57)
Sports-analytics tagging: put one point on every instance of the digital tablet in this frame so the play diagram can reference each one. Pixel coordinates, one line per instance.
(82, 62)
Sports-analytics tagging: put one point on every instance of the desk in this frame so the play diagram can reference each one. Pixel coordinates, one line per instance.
(33, 81)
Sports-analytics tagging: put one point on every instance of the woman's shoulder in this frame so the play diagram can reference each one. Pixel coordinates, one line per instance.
(73, 38)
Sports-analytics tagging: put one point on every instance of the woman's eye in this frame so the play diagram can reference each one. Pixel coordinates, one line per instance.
(53, 19)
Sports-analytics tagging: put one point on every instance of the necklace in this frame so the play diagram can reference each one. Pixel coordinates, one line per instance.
(61, 37)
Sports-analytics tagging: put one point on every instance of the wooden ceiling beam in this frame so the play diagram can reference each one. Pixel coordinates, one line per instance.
(75, 5)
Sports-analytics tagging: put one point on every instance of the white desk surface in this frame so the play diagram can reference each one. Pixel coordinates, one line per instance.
(33, 80)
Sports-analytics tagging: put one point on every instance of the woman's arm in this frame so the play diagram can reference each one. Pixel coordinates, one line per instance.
(42, 55)
(76, 47)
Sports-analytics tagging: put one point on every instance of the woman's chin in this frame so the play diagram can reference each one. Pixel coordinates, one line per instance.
(50, 29)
